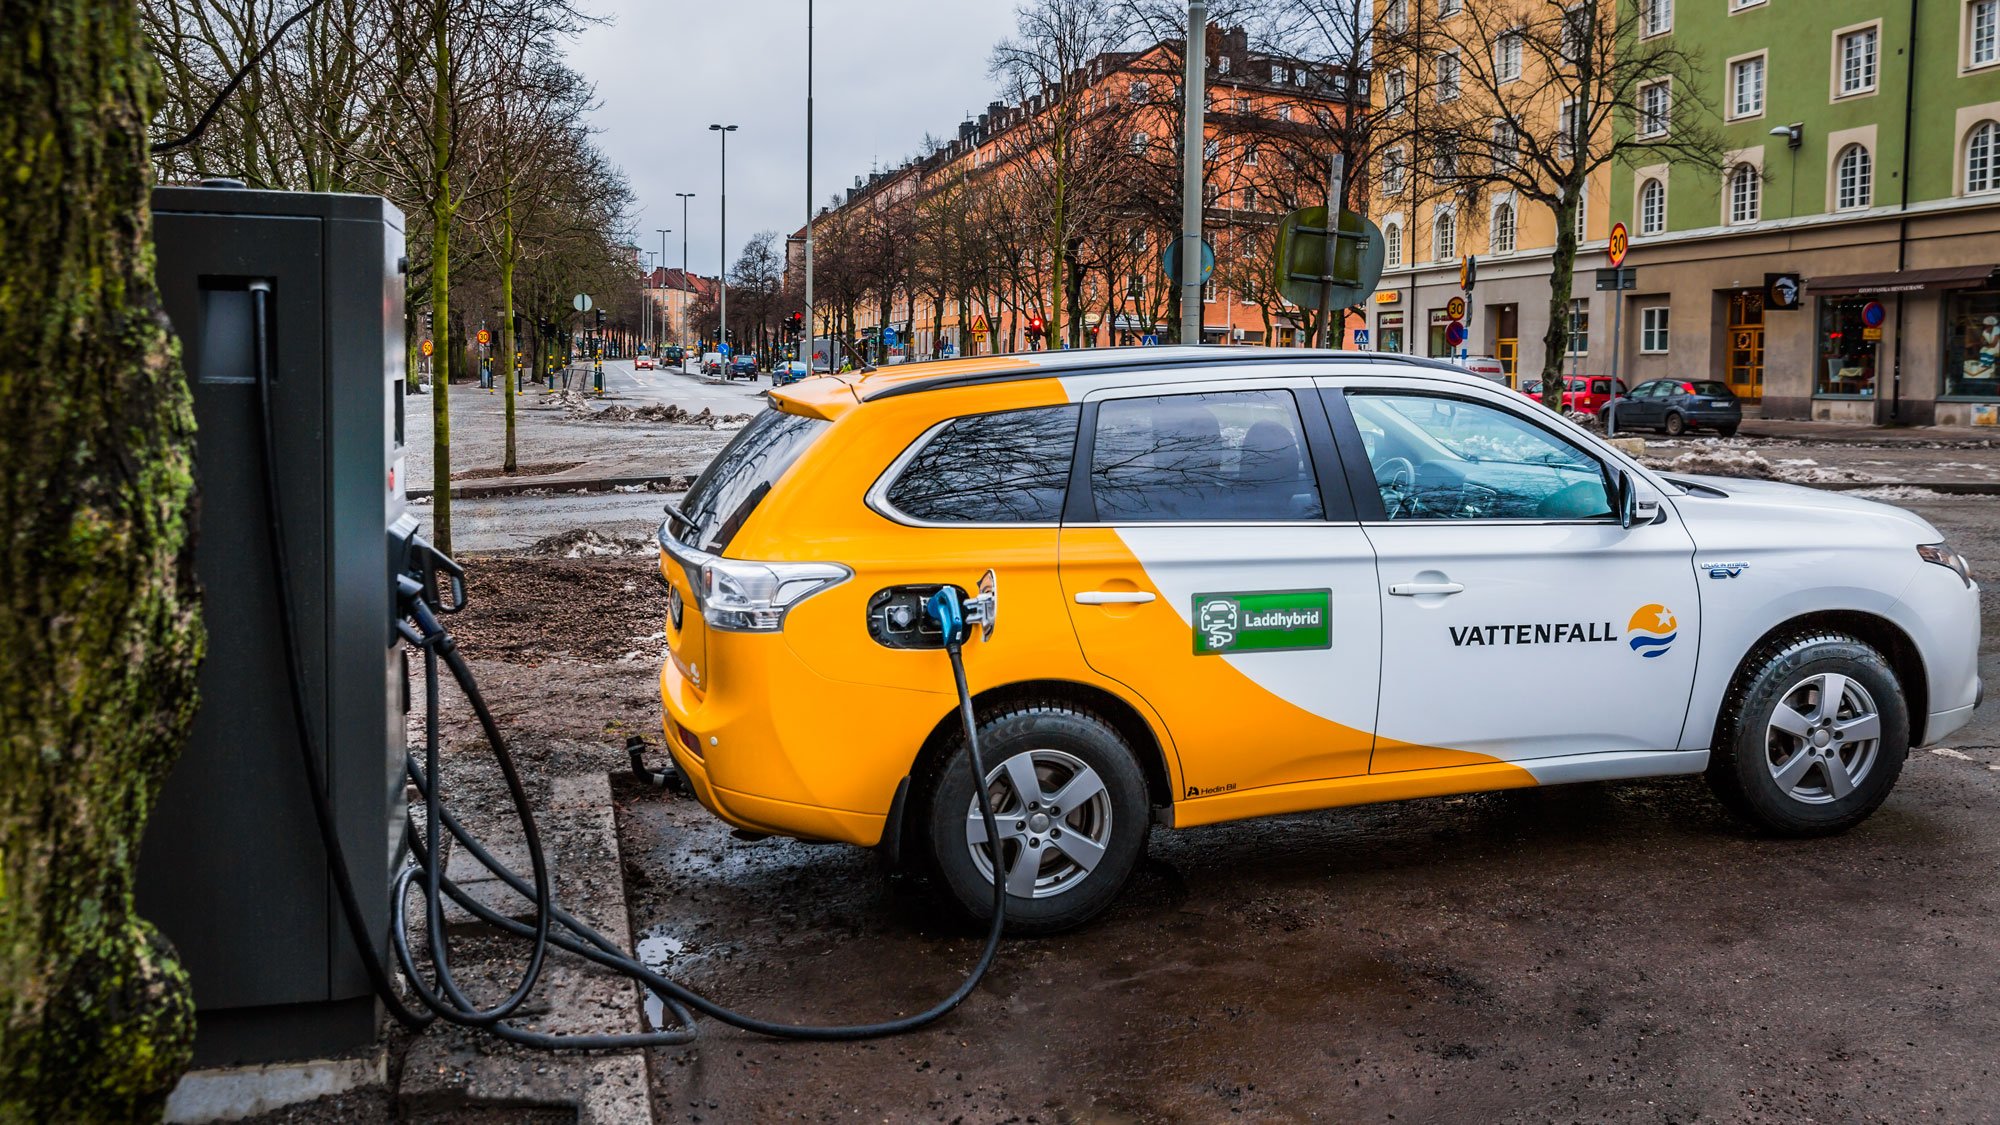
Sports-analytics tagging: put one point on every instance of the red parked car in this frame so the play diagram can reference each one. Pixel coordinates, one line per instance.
(1582, 396)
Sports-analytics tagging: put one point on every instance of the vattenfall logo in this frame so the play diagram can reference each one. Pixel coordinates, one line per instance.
(1652, 630)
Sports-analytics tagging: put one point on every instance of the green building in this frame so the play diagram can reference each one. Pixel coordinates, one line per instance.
(1843, 265)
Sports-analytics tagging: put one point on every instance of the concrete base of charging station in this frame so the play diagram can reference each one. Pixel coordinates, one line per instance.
(233, 1093)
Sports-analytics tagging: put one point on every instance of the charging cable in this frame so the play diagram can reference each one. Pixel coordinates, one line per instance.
(419, 601)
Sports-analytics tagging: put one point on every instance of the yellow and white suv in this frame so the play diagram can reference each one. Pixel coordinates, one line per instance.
(1237, 582)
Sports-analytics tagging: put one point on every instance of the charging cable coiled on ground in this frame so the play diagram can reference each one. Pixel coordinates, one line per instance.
(418, 605)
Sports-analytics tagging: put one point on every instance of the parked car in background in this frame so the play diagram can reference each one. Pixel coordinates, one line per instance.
(743, 367)
(788, 372)
(1484, 366)
(1583, 396)
(673, 354)
(1675, 406)
(711, 363)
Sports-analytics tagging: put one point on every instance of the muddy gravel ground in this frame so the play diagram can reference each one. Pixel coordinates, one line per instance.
(1618, 952)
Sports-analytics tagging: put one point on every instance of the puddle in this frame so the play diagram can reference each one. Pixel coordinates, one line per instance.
(656, 951)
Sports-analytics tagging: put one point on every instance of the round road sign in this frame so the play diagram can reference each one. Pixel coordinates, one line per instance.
(427, 347)
(485, 337)
(1454, 333)
(580, 302)
(1872, 314)
(1455, 308)
(1620, 241)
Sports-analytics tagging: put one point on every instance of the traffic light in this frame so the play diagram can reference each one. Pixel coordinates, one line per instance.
(1035, 324)
(600, 318)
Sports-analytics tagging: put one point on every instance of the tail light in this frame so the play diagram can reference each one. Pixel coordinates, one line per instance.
(737, 596)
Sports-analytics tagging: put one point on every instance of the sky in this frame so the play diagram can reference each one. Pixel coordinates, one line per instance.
(885, 73)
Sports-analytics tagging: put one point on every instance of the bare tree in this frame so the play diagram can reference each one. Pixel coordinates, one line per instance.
(1533, 98)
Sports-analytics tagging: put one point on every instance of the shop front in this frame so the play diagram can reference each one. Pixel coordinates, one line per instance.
(1913, 346)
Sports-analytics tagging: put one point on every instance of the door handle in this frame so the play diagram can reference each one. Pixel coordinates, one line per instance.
(1114, 597)
(1416, 589)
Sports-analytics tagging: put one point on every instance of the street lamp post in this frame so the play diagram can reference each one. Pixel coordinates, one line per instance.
(687, 292)
(646, 291)
(806, 337)
(722, 251)
(664, 325)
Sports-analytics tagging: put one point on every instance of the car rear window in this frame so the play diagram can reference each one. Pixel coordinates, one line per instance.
(1709, 387)
(1227, 456)
(1007, 467)
(732, 486)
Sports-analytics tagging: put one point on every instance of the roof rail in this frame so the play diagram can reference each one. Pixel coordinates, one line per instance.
(1157, 361)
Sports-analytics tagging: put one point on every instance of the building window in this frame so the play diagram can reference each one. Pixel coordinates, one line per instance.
(1212, 149)
(1392, 245)
(1503, 229)
(1281, 75)
(1507, 56)
(1444, 235)
(1389, 332)
(1449, 7)
(1211, 193)
(1506, 145)
(1396, 15)
(1222, 64)
(1250, 156)
(1653, 330)
(1659, 16)
(1579, 327)
(1393, 90)
(1853, 178)
(1139, 90)
(1583, 214)
(1856, 52)
(1140, 141)
(1746, 86)
(1243, 106)
(1981, 171)
(1447, 77)
(1972, 343)
(1982, 33)
(1569, 121)
(1653, 109)
(1575, 31)
(1846, 357)
(1208, 290)
(1745, 189)
(1652, 207)
(1249, 199)
(1444, 160)
(1284, 113)
(1392, 171)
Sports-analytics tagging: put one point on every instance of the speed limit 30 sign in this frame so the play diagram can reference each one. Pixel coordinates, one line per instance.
(1620, 242)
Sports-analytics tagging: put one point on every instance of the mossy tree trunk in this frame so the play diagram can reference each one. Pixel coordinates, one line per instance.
(98, 606)
(443, 211)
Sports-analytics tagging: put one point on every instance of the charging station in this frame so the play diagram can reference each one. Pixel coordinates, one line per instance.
(305, 291)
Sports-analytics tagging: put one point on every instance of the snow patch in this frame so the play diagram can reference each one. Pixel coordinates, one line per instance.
(584, 543)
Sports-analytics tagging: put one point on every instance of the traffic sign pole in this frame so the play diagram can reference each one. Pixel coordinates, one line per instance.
(1616, 246)
(1334, 191)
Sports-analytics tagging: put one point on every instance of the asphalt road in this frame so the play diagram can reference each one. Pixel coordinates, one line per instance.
(1604, 952)
(690, 391)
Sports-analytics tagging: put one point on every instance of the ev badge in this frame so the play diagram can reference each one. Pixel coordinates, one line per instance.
(674, 605)
(1219, 622)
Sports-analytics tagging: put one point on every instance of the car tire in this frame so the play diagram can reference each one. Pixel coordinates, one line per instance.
(1108, 825)
(1812, 772)
(1726, 431)
(1675, 425)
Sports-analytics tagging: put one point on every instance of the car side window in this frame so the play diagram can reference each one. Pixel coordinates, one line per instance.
(1228, 455)
(1007, 467)
(1443, 458)
(1600, 386)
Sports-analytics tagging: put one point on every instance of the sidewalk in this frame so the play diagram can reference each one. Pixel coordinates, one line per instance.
(1846, 433)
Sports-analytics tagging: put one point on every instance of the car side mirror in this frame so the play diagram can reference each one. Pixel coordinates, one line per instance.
(1638, 503)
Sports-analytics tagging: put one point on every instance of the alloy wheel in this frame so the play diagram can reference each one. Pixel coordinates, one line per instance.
(1054, 816)
(1823, 738)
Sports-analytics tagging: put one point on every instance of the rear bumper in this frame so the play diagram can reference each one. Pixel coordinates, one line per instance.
(787, 752)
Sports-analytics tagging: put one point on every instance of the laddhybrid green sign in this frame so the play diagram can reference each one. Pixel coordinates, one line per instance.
(1262, 621)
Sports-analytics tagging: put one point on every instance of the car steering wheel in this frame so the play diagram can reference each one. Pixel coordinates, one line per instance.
(1396, 478)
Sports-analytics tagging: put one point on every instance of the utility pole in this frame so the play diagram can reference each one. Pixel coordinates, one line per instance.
(722, 252)
(1335, 192)
(1194, 106)
(806, 337)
